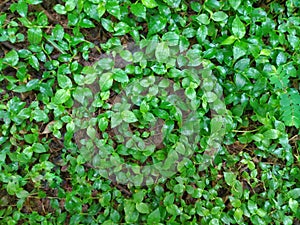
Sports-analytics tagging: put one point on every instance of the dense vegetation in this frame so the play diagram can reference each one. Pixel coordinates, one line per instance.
(149, 112)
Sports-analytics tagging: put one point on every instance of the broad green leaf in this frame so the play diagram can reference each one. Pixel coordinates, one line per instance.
(107, 24)
(294, 193)
(128, 116)
(228, 41)
(113, 8)
(201, 33)
(142, 207)
(235, 4)
(61, 96)
(156, 24)
(60, 9)
(238, 28)
(173, 3)
(39, 115)
(64, 81)
(138, 10)
(219, 16)
(271, 134)
(34, 62)
(120, 75)
(106, 81)
(239, 49)
(11, 58)
(34, 35)
(149, 3)
(171, 38)
(293, 205)
(38, 148)
(116, 120)
(230, 178)
(162, 52)
(154, 217)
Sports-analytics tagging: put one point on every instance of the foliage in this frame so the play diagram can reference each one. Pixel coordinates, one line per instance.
(55, 78)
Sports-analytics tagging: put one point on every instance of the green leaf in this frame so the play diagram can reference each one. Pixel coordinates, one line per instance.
(38, 148)
(219, 16)
(238, 28)
(107, 24)
(116, 120)
(138, 10)
(173, 3)
(22, 9)
(106, 63)
(238, 214)
(128, 116)
(113, 8)
(271, 134)
(86, 23)
(58, 32)
(230, 178)
(11, 58)
(239, 49)
(203, 18)
(190, 93)
(142, 207)
(64, 81)
(201, 33)
(235, 4)
(156, 24)
(294, 193)
(154, 217)
(293, 205)
(120, 75)
(39, 115)
(34, 35)
(228, 41)
(162, 52)
(149, 3)
(61, 96)
(171, 38)
(106, 81)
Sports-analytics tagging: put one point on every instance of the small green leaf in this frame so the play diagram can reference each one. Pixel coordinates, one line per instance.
(154, 217)
(11, 58)
(34, 62)
(295, 193)
(106, 81)
(113, 8)
(219, 16)
(156, 24)
(190, 93)
(162, 52)
(142, 207)
(230, 178)
(38, 148)
(149, 3)
(238, 28)
(61, 96)
(34, 35)
(235, 4)
(107, 24)
(128, 116)
(293, 205)
(64, 81)
(120, 75)
(39, 115)
(60, 9)
(271, 134)
(116, 120)
(228, 41)
(138, 10)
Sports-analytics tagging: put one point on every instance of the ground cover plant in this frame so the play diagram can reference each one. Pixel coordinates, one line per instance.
(149, 112)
